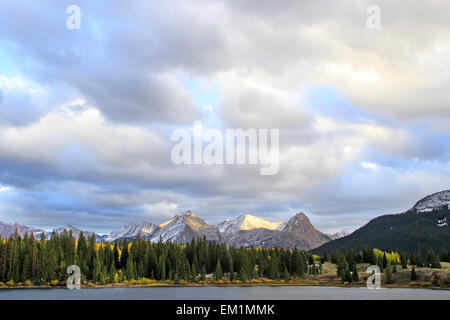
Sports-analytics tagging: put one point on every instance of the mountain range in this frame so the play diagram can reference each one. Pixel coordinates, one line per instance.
(245, 230)
(423, 226)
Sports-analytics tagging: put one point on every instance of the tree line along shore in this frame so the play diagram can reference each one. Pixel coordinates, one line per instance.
(26, 262)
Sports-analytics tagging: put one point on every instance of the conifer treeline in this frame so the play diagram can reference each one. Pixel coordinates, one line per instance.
(43, 261)
(420, 258)
(28, 260)
(347, 260)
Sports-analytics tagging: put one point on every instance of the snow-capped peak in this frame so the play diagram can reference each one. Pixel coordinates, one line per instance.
(181, 215)
(433, 201)
(247, 222)
(183, 228)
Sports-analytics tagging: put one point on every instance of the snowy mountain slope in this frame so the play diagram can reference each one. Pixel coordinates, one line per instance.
(250, 231)
(246, 222)
(338, 235)
(145, 229)
(184, 227)
(7, 229)
(433, 201)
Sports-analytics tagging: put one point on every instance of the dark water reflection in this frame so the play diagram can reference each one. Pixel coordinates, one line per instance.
(227, 293)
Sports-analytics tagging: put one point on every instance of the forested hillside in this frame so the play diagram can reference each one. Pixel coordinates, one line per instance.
(408, 231)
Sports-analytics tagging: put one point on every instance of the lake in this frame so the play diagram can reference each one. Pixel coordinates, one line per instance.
(225, 293)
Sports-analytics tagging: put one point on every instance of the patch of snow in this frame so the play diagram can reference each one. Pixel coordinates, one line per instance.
(442, 222)
(434, 201)
(247, 222)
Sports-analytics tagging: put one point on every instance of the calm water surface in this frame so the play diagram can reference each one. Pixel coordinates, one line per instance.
(226, 293)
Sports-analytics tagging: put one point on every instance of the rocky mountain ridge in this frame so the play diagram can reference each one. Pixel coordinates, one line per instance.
(245, 230)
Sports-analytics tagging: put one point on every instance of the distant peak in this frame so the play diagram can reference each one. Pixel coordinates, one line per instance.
(299, 219)
(300, 216)
(180, 217)
(68, 226)
(186, 213)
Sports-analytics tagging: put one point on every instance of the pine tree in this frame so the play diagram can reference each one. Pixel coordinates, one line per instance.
(286, 275)
(342, 265)
(112, 272)
(218, 275)
(26, 268)
(385, 260)
(124, 256)
(116, 255)
(81, 257)
(413, 274)
(388, 274)
(193, 273)
(163, 268)
(231, 265)
(96, 274)
(403, 261)
(130, 269)
(355, 276)
(243, 276)
(346, 275)
(203, 275)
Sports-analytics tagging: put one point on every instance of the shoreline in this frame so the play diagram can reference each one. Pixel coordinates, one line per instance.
(172, 285)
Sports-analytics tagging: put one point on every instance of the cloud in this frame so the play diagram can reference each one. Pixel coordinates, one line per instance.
(86, 115)
(23, 101)
(369, 165)
(124, 79)
(256, 106)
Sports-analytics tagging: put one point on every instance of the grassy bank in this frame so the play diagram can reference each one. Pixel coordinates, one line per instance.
(428, 278)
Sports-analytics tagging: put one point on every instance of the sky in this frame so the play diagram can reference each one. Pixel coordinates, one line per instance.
(86, 115)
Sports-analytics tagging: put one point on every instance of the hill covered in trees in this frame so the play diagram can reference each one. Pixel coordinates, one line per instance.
(409, 231)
